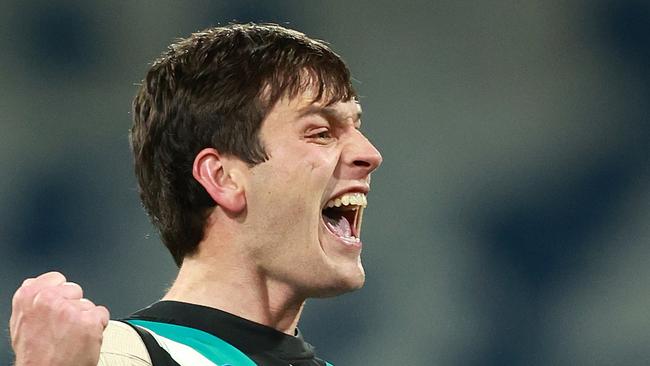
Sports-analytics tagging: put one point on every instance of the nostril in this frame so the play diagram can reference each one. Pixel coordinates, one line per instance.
(362, 163)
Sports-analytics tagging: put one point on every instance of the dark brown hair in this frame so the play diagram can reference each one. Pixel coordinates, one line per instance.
(214, 89)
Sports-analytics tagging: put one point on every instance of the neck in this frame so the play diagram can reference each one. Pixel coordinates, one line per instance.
(238, 290)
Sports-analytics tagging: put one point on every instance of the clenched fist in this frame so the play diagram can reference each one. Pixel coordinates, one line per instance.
(52, 324)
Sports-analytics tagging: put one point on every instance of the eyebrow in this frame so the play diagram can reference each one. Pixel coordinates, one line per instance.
(330, 112)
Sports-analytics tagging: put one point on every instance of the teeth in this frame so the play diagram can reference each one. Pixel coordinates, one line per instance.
(354, 199)
(345, 200)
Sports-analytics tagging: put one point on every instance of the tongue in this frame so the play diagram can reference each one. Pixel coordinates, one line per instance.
(339, 226)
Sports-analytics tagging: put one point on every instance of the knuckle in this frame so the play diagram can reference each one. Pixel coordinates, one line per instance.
(103, 315)
(53, 275)
(72, 285)
(87, 302)
(19, 296)
(46, 294)
(47, 298)
(27, 282)
(67, 312)
(71, 290)
(25, 292)
(91, 323)
(103, 310)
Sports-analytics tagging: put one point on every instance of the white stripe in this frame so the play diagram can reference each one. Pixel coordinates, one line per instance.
(181, 353)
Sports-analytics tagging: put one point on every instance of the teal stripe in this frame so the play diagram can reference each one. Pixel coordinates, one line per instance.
(328, 364)
(213, 348)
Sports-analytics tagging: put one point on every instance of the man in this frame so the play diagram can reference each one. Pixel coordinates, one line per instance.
(252, 166)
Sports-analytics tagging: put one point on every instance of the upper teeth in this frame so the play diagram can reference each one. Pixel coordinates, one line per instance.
(356, 199)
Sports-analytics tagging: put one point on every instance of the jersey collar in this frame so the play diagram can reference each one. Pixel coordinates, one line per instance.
(249, 337)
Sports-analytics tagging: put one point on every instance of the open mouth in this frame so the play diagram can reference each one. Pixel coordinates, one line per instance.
(343, 216)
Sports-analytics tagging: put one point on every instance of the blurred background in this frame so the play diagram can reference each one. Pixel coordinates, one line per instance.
(508, 225)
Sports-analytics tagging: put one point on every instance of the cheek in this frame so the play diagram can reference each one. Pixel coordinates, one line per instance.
(293, 177)
(322, 163)
(316, 165)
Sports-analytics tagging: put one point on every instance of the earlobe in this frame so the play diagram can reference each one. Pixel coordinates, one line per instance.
(220, 178)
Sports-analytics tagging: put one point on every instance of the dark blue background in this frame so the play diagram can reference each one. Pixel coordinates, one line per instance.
(509, 224)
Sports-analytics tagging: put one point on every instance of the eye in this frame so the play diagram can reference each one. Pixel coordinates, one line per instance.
(323, 135)
(320, 135)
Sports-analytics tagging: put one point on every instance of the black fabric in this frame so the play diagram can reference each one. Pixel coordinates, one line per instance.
(264, 345)
(159, 357)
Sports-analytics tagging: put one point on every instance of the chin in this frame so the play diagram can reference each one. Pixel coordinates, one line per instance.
(341, 284)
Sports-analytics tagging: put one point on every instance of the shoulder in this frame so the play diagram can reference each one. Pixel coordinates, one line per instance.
(122, 346)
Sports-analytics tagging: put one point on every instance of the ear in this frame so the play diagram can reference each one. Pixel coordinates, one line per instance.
(220, 177)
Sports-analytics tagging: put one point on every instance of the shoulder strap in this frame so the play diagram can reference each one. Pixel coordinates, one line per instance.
(159, 357)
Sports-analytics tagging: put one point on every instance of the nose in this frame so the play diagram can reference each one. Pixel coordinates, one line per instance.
(362, 156)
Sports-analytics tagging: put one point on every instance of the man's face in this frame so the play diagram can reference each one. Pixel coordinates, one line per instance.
(318, 157)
